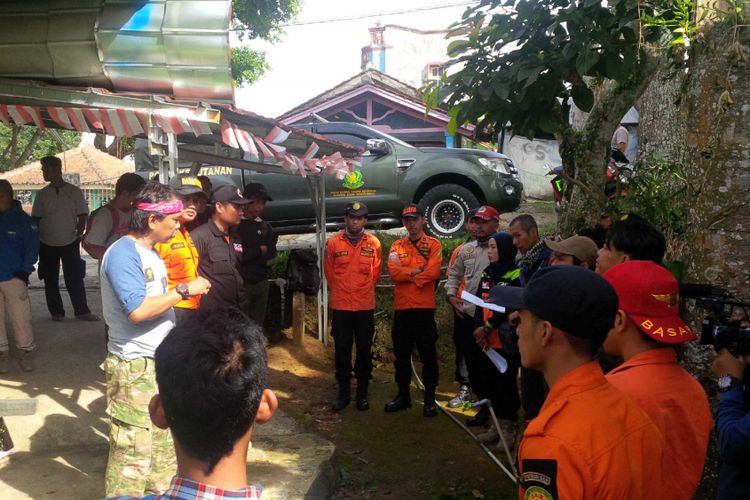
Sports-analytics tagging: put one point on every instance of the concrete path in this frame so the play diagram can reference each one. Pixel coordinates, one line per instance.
(61, 452)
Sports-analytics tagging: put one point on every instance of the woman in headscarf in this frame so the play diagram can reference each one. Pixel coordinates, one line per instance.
(494, 332)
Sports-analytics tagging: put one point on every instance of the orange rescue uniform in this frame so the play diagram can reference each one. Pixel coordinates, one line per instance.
(418, 291)
(678, 406)
(181, 260)
(352, 272)
(590, 441)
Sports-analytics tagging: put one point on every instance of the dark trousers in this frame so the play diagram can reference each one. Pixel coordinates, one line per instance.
(415, 327)
(533, 392)
(73, 271)
(471, 352)
(462, 373)
(501, 388)
(184, 316)
(350, 328)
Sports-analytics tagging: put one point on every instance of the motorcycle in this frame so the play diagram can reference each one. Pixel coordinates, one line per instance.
(617, 176)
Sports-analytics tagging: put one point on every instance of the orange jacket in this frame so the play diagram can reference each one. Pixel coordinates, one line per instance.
(415, 291)
(352, 272)
(677, 404)
(181, 259)
(590, 441)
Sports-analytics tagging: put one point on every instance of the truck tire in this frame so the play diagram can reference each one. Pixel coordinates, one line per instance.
(446, 210)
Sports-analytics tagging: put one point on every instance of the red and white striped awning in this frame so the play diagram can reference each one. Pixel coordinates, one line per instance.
(181, 120)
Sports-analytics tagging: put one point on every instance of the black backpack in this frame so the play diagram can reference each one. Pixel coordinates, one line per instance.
(302, 272)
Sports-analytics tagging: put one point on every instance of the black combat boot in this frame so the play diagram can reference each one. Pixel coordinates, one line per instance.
(343, 399)
(430, 406)
(402, 401)
(362, 403)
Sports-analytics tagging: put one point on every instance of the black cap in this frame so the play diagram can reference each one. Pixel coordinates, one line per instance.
(412, 210)
(185, 185)
(356, 209)
(575, 300)
(256, 190)
(228, 194)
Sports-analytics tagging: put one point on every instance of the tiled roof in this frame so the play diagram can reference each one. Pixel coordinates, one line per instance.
(94, 167)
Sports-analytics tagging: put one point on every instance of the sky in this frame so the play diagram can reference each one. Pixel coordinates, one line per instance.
(311, 58)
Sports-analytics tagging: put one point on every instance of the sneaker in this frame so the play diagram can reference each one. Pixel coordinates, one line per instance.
(489, 437)
(88, 317)
(26, 360)
(5, 454)
(462, 396)
(4, 361)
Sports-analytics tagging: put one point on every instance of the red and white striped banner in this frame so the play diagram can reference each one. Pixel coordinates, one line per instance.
(277, 135)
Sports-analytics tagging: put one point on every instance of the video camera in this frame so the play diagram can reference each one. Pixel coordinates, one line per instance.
(720, 327)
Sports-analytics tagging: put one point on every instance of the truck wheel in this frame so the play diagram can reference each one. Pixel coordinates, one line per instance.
(446, 210)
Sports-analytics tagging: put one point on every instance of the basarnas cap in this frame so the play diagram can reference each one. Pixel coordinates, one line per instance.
(650, 296)
(228, 194)
(580, 247)
(486, 212)
(575, 300)
(256, 190)
(185, 185)
(356, 209)
(412, 210)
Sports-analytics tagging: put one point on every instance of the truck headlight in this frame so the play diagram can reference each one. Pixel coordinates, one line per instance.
(495, 165)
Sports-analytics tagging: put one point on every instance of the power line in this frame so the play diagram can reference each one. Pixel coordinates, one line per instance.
(378, 14)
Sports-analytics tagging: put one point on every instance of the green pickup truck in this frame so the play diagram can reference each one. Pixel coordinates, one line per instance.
(445, 182)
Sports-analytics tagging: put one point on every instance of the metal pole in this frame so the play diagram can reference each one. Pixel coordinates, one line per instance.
(172, 144)
(321, 257)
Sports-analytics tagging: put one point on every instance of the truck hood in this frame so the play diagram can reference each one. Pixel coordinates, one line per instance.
(463, 151)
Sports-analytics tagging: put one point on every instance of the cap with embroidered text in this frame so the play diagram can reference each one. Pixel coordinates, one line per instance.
(412, 210)
(650, 296)
(486, 212)
(185, 185)
(356, 209)
(228, 194)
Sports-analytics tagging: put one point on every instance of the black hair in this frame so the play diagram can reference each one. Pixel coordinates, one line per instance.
(153, 192)
(638, 238)
(129, 183)
(51, 161)
(211, 375)
(6, 188)
(527, 222)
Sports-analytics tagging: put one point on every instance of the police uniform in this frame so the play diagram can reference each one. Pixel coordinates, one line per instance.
(414, 315)
(352, 268)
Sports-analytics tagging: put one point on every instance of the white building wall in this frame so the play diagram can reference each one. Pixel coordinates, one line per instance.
(408, 53)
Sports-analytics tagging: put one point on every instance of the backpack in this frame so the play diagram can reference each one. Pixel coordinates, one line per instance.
(115, 223)
(302, 272)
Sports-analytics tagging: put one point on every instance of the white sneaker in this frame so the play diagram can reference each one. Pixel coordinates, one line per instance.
(5, 454)
(462, 396)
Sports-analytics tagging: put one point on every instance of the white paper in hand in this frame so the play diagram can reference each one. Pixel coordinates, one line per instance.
(473, 299)
(497, 359)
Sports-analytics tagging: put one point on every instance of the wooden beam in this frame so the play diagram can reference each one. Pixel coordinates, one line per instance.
(298, 317)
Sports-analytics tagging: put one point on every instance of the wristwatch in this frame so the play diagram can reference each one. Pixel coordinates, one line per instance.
(727, 382)
(183, 290)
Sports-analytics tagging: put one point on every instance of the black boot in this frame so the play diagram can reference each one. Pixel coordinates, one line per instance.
(430, 406)
(402, 401)
(480, 419)
(362, 403)
(343, 399)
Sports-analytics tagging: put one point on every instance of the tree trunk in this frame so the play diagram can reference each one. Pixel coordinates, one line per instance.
(588, 150)
(701, 120)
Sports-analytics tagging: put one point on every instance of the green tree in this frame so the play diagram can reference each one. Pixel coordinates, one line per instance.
(21, 144)
(526, 61)
(253, 19)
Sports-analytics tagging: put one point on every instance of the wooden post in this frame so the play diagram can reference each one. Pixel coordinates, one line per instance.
(298, 317)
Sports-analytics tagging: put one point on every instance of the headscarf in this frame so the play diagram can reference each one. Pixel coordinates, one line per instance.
(507, 260)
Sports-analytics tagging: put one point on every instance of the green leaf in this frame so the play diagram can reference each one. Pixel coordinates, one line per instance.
(457, 47)
(583, 97)
(615, 68)
(501, 89)
(586, 60)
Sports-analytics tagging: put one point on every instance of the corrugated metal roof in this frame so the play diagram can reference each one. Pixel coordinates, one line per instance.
(177, 48)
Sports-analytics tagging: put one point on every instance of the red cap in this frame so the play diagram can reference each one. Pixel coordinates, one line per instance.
(650, 296)
(486, 212)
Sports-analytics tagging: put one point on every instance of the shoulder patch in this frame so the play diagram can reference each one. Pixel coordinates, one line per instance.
(539, 479)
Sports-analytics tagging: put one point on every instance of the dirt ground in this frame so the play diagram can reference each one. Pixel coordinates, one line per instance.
(399, 455)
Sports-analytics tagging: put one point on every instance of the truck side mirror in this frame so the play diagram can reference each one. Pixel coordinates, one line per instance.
(378, 147)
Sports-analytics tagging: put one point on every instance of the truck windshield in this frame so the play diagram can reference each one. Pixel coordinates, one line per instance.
(394, 139)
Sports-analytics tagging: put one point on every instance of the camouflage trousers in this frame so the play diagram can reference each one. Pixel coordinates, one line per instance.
(141, 456)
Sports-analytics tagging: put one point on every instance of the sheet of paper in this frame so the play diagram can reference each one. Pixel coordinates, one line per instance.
(473, 299)
(497, 359)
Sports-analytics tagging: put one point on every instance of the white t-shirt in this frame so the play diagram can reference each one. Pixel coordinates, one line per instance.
(58, 209)
(101, 232)
(131, 272)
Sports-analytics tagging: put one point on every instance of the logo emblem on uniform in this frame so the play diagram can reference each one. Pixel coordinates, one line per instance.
(149, 273)
(356, 205)
(670, 299)
(537, 493)
(354, 180)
